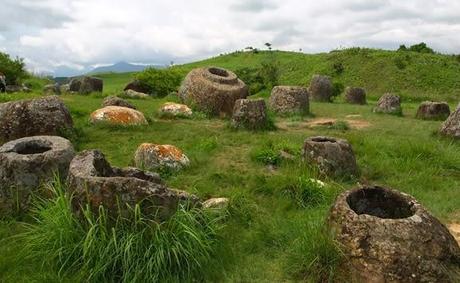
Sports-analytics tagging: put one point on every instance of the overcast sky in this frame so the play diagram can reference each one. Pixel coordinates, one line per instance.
(58, 34)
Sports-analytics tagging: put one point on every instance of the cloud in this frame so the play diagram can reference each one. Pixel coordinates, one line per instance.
(76, 34)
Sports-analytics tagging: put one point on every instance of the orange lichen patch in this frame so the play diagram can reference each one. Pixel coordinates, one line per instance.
(455, 230)
(118, 115)
(163, 150)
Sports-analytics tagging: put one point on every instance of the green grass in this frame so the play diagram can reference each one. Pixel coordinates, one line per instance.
(275, 228)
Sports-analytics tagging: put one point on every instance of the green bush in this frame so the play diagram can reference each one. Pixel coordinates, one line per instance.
(252, 78)
(13, 69)
(264, 77)
(337, 89)
(420, 48)
(129, 250)
(160, 82)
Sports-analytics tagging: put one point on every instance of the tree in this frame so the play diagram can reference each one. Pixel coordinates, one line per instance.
(402, 47)
(269, 45)
(14, 69)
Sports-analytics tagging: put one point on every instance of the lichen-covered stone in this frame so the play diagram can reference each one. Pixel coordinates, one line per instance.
(212, 90)
(389, 103)
(25, 164)
(135, 94)
(431, 110)
(289, 99)
(451, 127)
(137, 87)
(33, 117)
(334, 157)
(86, 85)
(216, 203)
(95, 183)
(175, 110)
(355, 95)
(116, 101)
(387, 236)
(321, 89)
(155, 157)
(52, 89)
(117, 115)
(250, 114)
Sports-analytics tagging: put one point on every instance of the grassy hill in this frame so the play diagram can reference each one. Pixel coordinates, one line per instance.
(414, 76)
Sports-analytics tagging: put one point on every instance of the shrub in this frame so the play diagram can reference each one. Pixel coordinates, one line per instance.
(13, 69)
(128, 250)
(338, 68)
(264, 77)
(160, 82)
(270, 73)
(420, 48)
(252, 78)
(306, 192)
(337, 89)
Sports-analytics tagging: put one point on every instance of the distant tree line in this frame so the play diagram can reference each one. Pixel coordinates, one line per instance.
(420, 48)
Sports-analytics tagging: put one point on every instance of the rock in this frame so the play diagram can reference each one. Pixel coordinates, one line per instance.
(212, 90)
(175, 110)
(134, 94)
(389, 103)
(25, 164)
(387, 236)
(355, 95)
(250, 114)
(86, 85)
(116, 101)
(117, 115)
(289, 99)
(451, 127)
(321, 88)
(155, 157)
(65, 88)
(16, 88)
(430, 110)
(216, 203)
(137, 87)
(95, 183)
(52, 89)
(334, 157)
(33, 117)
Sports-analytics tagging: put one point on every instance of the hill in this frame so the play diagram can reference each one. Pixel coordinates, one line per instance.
(121, 67)
(414, 76)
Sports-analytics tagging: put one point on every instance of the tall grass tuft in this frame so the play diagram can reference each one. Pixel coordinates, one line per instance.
(127, 250)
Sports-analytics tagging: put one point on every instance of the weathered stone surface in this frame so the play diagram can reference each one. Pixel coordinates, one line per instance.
(25, 164)
(289, 99)
(86, 85)
(117, 115)
(389, 103)
(137, 87)
(17, 88)
(355, 95)
(134, 94)
(94, 182)
(334, 157)
(321, 88)
(388, 236)
(116, 101)
(216, 203)
(451, 127)
(431, 110)
(175, 110)
(250, 114)
(65, 88)
(154, 157)
(212, 90)
(32, 117)
(52, 89)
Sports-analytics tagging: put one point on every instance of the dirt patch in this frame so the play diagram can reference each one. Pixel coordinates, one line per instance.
(455, 230)
(322, 122)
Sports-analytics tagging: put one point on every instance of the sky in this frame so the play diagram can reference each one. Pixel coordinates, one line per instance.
(62, 36)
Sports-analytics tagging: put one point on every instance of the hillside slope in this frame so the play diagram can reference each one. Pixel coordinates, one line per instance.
(412, 75)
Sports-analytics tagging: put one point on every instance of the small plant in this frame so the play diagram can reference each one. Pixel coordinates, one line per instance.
(160, 82)
(306, 192)
(340, 125)
(127, 250)
(337, 89)
(338, 68)
(315, 256)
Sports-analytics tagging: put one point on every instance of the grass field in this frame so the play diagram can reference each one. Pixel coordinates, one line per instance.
(275, 227)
